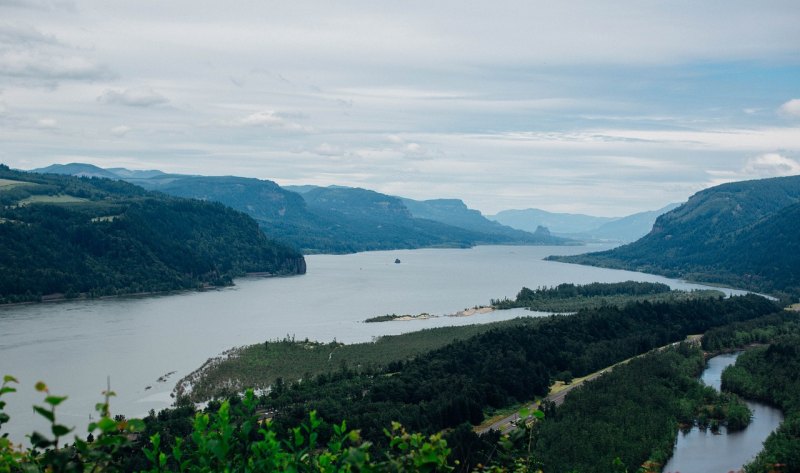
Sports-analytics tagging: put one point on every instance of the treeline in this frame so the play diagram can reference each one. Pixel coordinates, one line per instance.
(629, 418)
(770, 374)
(125, 240)
(569, 297)
(760, 330)
(455, 384)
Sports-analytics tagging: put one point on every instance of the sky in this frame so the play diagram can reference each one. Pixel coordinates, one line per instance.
(605, 108)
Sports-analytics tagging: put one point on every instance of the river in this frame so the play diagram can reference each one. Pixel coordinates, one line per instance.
(74, 346)
(701, 451)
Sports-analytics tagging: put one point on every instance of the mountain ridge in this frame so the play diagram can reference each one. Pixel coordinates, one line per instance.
(743, 234)
(333, 219)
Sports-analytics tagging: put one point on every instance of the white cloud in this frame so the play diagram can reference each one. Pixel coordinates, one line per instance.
(274, 120)
(771, 165)
(134, 97)
(326, 149)
(791, 108)
(120, 130)
(47, 123)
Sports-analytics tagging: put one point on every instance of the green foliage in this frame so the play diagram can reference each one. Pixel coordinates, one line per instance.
(231, 438)
(742, 234)
(570, 297)
(125, 240)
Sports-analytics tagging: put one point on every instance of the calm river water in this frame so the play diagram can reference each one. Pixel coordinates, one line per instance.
(75, 346)
(701, 451)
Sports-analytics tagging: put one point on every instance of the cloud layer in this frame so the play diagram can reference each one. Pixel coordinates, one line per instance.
(566, 106)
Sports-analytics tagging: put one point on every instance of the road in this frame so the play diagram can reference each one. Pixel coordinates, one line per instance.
(506, 424)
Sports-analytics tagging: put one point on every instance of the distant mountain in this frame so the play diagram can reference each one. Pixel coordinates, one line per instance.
(530, 219)
(331, 219)
(456, 213)
(131, 174)
(357, 203)
(367, 209)
(302, 189)
(743, 234)
(77, 170)
(617, 229)
(263, 200)
(626, 229)
(68, 235)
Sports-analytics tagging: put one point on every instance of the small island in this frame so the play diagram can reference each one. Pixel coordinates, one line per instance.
(403, 317)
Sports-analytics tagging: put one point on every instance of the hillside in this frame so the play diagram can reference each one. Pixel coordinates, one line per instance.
(743, 234)
(456, 213)
(332, 219)
(70, 236)
(324, 220)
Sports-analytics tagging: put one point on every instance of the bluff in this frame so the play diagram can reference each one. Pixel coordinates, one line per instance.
(743, 234)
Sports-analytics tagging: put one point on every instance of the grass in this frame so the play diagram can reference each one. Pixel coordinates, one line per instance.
(52, 199)
(6, 184)
(259, 366)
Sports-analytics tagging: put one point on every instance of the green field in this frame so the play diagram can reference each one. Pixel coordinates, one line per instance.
(52, 199)
(259, 366)
(6, 184)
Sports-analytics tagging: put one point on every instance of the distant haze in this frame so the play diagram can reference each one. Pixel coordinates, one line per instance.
(579, 107)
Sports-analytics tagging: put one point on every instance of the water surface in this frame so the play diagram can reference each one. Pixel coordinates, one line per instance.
(701, 451)
(75, 346)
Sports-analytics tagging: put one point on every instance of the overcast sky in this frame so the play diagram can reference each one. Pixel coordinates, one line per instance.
(597, 107)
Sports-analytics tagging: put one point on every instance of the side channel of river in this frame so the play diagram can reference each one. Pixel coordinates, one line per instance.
(701, 451)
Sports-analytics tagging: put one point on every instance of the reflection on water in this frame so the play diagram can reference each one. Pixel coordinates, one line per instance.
(701, 451)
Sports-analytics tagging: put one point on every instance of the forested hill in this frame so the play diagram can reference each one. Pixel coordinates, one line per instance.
(70, 236)
(456, 213)
(323, 220)
(744, 234)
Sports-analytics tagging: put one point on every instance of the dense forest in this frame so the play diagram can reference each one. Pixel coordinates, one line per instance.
(742, 234)
(570, 297)
(79, 236)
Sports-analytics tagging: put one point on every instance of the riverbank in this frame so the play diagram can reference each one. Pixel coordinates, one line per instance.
(703, 449)
(60, 297)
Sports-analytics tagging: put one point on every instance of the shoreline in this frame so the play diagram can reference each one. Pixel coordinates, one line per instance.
(60, 297)
(426, 316)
